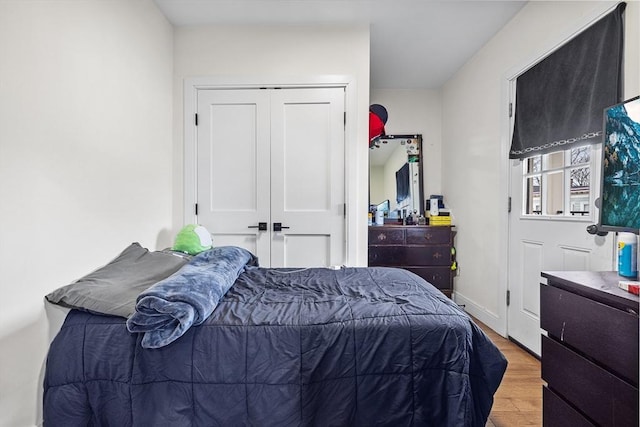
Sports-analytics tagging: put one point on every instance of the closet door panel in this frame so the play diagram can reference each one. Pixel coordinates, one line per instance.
(305, 150)
(233, 178)
(307, 176)
(304, 250)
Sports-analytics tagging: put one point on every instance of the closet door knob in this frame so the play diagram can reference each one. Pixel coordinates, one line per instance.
(262, 226)
(277, 226)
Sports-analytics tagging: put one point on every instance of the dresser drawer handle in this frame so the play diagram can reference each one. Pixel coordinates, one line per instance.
(382, 236)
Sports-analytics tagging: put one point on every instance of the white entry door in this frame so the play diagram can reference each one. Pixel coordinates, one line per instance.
(552, 199)
(270, 173)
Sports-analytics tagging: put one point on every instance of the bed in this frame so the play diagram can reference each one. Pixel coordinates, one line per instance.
(270, 347)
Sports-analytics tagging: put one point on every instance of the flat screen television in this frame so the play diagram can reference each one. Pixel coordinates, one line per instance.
(620, 189)
(384, 206)
(402, 183)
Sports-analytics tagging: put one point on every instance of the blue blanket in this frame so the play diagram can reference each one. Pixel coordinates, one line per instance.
(166, 310)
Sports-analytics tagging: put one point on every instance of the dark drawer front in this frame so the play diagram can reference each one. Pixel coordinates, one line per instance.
(601, 396)
(409, 256)
(428, 255)
(429, 236)
(440, 277)
(579, 321)
(386, 256)
(386, 236)
(557, 413)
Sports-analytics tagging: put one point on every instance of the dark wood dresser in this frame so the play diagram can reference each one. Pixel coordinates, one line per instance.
(590, 353)
(424, 250)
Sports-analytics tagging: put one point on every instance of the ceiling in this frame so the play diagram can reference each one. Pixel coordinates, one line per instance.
(415, 44)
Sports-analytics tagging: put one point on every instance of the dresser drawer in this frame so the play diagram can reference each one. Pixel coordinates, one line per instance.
(601, 396)
(429, 236)
(437, 255)
(386, 256)
(409, 256)
(558, 413)
(386, 236)
(578, 322)
(440, 277)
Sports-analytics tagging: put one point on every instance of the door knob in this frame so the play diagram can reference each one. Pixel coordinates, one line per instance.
(277, 226)
(262, 226)
(594, 229)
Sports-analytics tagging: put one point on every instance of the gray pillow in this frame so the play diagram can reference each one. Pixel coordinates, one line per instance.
(113, 289)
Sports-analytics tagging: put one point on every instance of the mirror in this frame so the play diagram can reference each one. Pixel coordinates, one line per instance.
(395, 175)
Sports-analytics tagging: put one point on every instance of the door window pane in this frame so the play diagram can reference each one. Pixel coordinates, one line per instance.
(558, 183)
(580, 155)
(555, 193)
(533, 202)
(554, 160)
(533, 164)
(580, 191)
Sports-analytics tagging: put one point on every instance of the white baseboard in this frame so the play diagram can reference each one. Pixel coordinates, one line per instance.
(485, 316)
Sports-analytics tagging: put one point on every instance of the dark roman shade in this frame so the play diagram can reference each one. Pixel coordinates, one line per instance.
(560, 100)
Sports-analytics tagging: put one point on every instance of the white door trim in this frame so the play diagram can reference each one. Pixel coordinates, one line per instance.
(190, 90)
(499, 324)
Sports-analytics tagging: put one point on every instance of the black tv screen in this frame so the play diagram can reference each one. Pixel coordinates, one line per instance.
(620, 190)
(402, 183)
(384, 206)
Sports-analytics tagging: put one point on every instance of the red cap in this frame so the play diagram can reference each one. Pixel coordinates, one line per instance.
(376, 126)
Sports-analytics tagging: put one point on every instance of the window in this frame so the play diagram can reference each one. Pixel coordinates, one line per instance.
(558, 183)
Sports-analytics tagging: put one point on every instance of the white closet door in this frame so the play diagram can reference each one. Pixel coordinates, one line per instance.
(274, 156)
(233, 169)
(307, 177)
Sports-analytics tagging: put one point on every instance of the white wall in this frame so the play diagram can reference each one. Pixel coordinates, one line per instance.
(377, 191)
(249, 53)
(417, 112)
(85, 162)
(473, 157)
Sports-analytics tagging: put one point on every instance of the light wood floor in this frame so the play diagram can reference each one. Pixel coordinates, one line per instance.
(518, 401)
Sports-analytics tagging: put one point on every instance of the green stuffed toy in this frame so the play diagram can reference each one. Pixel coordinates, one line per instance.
(193, 239)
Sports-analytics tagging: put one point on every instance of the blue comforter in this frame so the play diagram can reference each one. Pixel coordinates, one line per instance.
(284, 347)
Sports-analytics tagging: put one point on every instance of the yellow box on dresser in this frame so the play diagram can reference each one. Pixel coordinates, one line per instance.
(439, 220)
